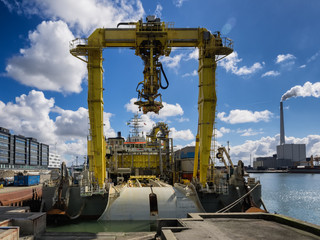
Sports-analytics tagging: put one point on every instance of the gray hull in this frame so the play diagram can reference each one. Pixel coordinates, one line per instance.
(86, 207)
(213, 202)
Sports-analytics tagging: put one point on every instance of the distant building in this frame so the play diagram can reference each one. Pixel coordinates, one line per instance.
(20, 152)
(293, 152)
(265, 162)
(54, 160)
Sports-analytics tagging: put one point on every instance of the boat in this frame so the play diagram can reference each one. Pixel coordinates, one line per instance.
(139, 178)
(146, 181)
(304, 169)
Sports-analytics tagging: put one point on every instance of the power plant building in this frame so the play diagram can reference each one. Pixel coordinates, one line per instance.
(292, 152)
(288, 155)
(19, 152)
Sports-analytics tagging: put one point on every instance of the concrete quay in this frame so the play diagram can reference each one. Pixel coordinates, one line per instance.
(16, 222)
(240, 226)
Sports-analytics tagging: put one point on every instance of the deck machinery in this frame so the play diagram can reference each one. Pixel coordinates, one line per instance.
(150, 40)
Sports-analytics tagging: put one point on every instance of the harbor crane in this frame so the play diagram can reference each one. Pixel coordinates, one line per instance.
(151, 40)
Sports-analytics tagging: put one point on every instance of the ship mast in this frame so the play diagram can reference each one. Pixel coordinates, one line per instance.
(135, 124)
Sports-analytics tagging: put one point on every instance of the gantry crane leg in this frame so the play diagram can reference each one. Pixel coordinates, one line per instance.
(95, 103)
(206, 107)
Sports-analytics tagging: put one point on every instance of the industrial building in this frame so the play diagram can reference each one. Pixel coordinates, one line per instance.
(20, 152)
(288, 155)
(54, 160)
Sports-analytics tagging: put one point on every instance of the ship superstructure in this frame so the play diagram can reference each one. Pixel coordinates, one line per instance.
(140, 155)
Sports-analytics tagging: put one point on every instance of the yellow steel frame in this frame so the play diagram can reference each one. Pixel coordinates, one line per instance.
(151, 41)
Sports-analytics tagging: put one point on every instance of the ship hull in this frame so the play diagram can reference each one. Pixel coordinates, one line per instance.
(95, 206)
(213, 202)
(304, 170)
(89, 207)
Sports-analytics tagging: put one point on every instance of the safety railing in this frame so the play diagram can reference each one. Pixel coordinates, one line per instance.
(78, 42)
(227, 42)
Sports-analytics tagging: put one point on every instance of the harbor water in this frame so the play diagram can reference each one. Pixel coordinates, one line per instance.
(291, 194)
(295, 195)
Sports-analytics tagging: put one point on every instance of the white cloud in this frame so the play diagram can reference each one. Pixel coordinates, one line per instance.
(131, 107)
(47, 63)
(230, 63)
(271, 73)
(83, 15)
(307, 90)
(303, 66)
(249, 132)
(182, 134)
(313, 57)
(224, 130)
(193, 55)
(285, 58)
(220, 132)
(168, 110)
(266, 146)
(178, 3)
(192, 74)
(29, 116)
(72, 123)
(245, 116)
(172, 62)
(182, 119)
(148, 124)
(158, 10)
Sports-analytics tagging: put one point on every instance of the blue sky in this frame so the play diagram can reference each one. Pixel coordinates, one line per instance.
(43, 90)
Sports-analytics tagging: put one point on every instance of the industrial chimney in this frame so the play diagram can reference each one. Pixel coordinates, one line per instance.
(282, 136)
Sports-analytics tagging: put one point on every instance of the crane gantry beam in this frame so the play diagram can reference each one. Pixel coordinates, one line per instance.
(150, 40)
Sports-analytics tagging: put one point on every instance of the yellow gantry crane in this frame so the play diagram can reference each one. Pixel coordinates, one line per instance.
(150, 40)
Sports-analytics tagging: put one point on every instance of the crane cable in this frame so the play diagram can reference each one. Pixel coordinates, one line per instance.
(230, 206)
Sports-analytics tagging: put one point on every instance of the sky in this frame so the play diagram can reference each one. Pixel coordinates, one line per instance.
(276, 57)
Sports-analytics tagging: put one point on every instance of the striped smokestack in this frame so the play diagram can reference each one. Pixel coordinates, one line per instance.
(282, 140)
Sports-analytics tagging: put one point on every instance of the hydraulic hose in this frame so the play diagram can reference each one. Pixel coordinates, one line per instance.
(165, 77)
(126, 23)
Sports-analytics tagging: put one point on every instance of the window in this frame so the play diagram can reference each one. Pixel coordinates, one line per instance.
(4, 145)
(4, 137)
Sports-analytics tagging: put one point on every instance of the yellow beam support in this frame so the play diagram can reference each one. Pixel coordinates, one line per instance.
(206, 107)
(196, 157)
(95, 106)
(129, 37)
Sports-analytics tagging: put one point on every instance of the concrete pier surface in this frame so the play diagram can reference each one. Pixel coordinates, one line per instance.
(18, 222)
(240, 226)
(27, 223)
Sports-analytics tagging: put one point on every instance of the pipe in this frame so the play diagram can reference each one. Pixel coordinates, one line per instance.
(126, 23)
